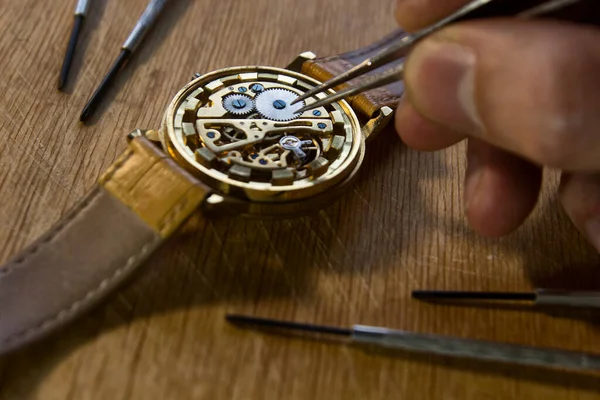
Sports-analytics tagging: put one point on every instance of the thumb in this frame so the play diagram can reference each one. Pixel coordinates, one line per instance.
(529, 87)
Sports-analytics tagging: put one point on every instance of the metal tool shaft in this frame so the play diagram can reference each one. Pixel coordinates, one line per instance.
(440, 345)
(144, 24)
(393, 75)
(466, 295)
(567, 298)
(473, 349)
(545, 297)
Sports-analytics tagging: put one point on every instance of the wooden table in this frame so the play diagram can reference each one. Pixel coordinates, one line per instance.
(399, 228)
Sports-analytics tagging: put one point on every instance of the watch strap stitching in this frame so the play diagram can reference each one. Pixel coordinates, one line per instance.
(81, 207)
(114, 168)
(77, 211)
(172, 216)
(67, 311)
(182, 193)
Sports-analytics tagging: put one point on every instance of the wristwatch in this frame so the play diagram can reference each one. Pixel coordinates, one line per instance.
(229, 143)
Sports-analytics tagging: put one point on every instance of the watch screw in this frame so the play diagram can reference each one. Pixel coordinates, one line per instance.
(279, 104)
(243, 89)
(257, 87)
(316, 113)
(321, 125)
(239, 103)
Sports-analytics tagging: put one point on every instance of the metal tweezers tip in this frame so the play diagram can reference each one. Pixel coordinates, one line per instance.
(344, 77)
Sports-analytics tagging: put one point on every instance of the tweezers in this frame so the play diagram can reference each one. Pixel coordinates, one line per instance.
(569, 10)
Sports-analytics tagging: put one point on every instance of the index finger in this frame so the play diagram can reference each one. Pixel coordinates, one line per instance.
(417, 14)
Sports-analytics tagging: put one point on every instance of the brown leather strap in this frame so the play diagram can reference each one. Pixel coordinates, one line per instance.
(367, 103)
(139, 202)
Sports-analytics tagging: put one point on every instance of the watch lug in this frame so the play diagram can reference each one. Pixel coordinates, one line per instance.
(296, 65)
(377, 123)
(151, 135)
(134, 134)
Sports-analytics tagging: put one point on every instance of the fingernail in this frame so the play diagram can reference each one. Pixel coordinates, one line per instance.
(440, 77)
(592, 229)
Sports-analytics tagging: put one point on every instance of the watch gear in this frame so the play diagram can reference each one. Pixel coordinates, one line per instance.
(238, 104)
(271, 153)
(274, 104)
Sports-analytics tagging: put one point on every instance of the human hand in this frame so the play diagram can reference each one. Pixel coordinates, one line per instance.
(525, 94)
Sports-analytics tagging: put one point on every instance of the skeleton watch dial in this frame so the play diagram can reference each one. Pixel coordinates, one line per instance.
(237, 131)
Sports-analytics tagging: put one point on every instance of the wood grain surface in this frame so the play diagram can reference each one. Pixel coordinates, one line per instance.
(399, 228)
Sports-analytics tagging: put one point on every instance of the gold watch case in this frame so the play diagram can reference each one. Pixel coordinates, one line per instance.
(235, 130)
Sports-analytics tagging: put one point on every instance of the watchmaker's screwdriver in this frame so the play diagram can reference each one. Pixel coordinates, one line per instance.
(440, 345)
(136, 36)
(80, 14)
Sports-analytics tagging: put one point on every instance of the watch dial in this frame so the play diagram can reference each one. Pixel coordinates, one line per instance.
(238, 131)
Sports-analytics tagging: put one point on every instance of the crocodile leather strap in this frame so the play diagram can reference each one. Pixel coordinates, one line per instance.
(367, 103)
(136, 205)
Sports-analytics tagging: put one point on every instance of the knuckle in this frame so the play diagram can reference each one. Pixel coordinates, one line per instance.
(557, 145)
(560, 117)
(544, 103)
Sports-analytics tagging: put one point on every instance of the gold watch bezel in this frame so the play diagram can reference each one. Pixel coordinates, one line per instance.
(250, 191)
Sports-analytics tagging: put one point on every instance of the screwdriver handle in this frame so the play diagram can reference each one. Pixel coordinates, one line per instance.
(146, 21)
(474, 349)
